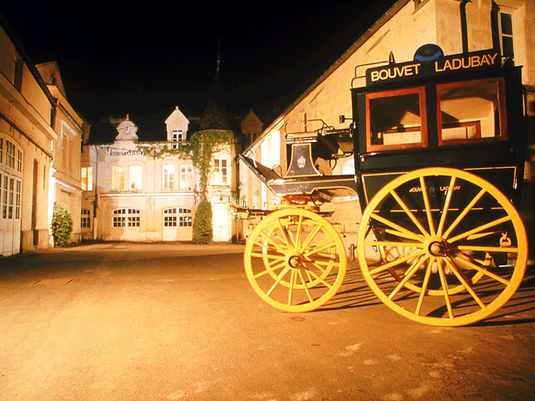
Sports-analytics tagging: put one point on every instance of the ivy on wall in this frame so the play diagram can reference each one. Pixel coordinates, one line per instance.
(201, 146)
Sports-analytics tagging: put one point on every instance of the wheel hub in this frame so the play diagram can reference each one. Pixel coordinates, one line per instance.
(437, 247)
(295, 261)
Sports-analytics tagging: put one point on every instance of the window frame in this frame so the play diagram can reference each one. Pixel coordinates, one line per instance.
(504, 35)
(220, 177)
(501, 107)
(133, 177)
(126, 217)
(172, 177)
(186, 177)
(420, 90)
(85, 218)
(118, 178)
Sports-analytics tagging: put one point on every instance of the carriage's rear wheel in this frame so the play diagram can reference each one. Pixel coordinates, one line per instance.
(295, 260)
(454, 249)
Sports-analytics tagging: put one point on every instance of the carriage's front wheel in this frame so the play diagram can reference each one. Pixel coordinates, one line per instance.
(454, 248)
(295, 260)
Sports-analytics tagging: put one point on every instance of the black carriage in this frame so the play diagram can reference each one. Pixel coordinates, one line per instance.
(437, 144)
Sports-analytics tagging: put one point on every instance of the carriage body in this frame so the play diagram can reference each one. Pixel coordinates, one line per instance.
(439, 113)
(437, 147)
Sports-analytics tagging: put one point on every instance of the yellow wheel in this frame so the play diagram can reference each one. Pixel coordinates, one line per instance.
(453, 248)
(295, 260)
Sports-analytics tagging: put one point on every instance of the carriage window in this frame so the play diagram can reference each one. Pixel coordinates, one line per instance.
(396, 119)
(470, 111)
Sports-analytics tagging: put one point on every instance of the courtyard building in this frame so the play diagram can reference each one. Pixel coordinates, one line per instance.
(455, 26)
(27, 137)
(71, 129)
(147, 191)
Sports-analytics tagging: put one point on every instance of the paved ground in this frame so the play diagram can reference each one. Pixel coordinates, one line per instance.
(180, 322)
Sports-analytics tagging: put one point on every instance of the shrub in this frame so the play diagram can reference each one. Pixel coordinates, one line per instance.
(202, 225)
(61, 225)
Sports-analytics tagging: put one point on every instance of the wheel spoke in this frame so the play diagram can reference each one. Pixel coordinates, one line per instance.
(277, 281)
(424, 286)
(479, 229)
(403, 231)
(482, 270)
(270, 270)
(316, 248)
(396, 262)
(462, 215)
(446, 206)
(269, 239)
(312, 263)
(291, 286)
(305, 286)
(487, 248)
(284, 233)
(409, 213)
(325, 283)
(395, 244)
(310, 236)
(268, 256)
(427, 205)
(325, 263)
(465, 284)
(407, 276)
(445, 288)
(298, 234)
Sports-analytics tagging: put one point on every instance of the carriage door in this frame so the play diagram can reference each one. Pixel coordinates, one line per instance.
(177, 224)
(221, 222)
(10, 197)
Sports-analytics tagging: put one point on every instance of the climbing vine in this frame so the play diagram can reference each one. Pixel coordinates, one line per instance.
(200, 148)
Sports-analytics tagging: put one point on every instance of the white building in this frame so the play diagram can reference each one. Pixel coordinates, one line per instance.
(146, 191)
(27, 108)
(64, 180)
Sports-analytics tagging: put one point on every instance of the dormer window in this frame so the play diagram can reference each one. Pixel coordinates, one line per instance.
(178, 135)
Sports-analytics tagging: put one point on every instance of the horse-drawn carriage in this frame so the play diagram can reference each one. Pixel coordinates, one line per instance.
(437, 146)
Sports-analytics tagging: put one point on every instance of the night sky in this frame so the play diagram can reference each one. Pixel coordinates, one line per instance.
(146, 60)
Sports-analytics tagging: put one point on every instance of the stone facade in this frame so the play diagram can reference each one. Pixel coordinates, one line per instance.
(135, 192)
(26, 150)
(64, 181)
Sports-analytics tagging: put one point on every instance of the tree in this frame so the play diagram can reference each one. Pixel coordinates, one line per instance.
(202, 225)
(61, 224)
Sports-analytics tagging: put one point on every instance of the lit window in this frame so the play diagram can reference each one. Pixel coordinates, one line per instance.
(178, 135)
(168, 176)
(186, 177)
(221, 172)
(184, 218)
(506, 24)
(126, 217)
(85, 220)
(5, 188)
(87, 178)
(117, 179)
(174, 217)
(10, 154)
(471, 111)
(135, 177)
(11, 198)
(396, 119)
(19, 161)
(169, 217)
